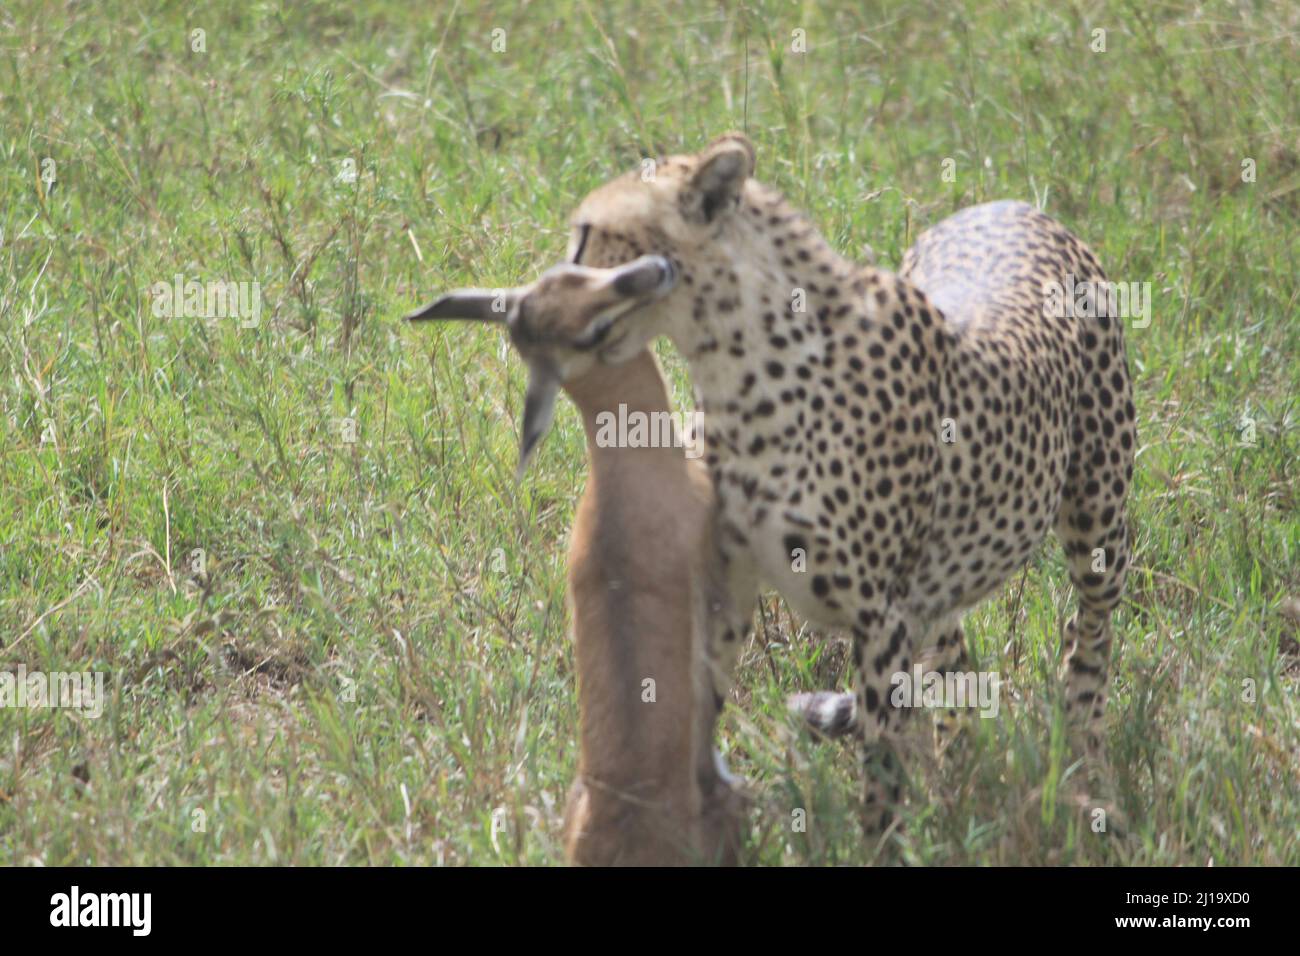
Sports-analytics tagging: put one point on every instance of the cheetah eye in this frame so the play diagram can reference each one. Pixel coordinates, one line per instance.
(579, 243)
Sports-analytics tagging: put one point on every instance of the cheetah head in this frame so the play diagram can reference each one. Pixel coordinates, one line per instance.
(682, 208)
(557, 324)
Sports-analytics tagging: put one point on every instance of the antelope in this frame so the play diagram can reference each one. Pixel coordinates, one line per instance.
(642, 578)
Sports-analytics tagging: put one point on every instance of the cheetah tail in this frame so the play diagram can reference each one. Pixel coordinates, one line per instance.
(826, 713)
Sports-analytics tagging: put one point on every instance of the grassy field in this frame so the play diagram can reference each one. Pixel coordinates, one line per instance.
(332, 625)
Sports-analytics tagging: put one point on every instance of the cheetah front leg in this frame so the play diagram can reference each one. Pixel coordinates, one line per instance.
(945, 652)
(732, 595)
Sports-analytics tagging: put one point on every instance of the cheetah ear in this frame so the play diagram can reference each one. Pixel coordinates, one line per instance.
(478, 305)
(720, 174)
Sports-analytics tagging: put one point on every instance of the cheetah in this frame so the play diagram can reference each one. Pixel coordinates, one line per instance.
(886, 449)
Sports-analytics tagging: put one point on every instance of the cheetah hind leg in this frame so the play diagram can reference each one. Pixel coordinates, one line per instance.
(883, 647)
(1098, 559)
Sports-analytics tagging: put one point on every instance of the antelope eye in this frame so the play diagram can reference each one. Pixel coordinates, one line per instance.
(594, 335)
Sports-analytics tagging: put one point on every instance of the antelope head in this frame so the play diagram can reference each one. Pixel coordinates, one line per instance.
(560, 324)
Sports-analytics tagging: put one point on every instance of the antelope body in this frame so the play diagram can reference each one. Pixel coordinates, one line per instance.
(642, 578)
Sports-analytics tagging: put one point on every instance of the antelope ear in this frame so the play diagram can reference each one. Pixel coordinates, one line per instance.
(478, 305)
(720, 175)
(539, 410)
(648, 275)
(636, 283)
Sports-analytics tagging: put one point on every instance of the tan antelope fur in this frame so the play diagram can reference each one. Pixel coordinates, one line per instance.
(641, 571)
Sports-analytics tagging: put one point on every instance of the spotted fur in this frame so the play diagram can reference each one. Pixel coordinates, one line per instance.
(830, 391)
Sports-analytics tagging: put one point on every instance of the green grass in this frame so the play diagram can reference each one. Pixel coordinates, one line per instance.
(375, 660)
